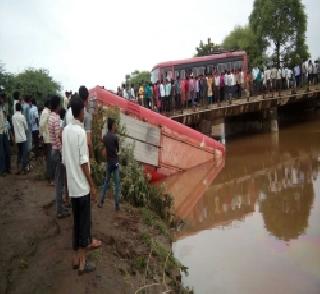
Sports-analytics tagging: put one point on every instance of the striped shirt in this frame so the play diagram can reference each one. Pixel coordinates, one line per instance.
(54, 130)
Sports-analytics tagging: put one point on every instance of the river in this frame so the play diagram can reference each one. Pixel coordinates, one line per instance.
(252, 223)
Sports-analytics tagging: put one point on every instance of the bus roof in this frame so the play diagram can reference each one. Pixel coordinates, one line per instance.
(202, 58)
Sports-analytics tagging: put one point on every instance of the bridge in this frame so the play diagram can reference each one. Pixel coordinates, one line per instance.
(211, 120)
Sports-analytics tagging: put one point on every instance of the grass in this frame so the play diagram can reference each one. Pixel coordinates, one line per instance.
(151, 219)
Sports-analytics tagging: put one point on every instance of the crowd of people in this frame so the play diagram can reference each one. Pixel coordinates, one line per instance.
(168, 94)
(64, 135)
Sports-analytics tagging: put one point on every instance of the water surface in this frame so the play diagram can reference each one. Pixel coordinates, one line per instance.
(252, 223)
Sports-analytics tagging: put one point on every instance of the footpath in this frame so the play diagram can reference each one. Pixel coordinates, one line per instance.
(35, 246)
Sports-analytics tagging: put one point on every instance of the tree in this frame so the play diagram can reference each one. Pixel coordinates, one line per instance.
(36, 82)
(281, 24)
(243, 38)
(207, 49)
(138, 77)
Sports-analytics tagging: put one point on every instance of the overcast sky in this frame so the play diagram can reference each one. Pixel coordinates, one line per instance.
(98, 42)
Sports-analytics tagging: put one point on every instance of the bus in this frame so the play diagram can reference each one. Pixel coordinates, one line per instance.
(196, 66)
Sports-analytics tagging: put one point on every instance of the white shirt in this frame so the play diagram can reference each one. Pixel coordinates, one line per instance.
(43, 125)
(241, 77)
(315, 68)
(69, 116)
(132, 93)
(227, 80)
(66, 102)
(255, 72)
(232, 80)
(279, 74)
(74, 153)
(20, 127)
(217, 80)
(268, 74)
(162, 90)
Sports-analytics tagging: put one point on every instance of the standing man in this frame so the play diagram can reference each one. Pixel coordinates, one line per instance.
(217, 87)
(2, 135)
(141, 94)
(87, 122)
(111, 143)
(75, 157)
(7, 138)
(26, 113)
(20, 127)
(274, 78)
(310, 72)
(55, 139)
(196, 89)
(255, 72)
(210, 88)
(66, 100)
(162, 95)
(178, 93)
(191, 90)
(283, 78)
(168, 95)
(132, 95)
(34, 119)
(297, 75)
(315, 72)
(44, 133)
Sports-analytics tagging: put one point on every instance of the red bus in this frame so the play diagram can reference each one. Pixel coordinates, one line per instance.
(196, 66)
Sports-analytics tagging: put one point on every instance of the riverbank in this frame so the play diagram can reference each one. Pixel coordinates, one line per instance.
(36, 246)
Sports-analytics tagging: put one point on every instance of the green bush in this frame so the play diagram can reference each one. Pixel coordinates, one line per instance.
(135, 187)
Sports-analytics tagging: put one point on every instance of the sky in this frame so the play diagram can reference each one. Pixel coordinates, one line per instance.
(98, 42)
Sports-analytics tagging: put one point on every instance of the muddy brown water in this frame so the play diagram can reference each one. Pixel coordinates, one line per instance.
(252, 223)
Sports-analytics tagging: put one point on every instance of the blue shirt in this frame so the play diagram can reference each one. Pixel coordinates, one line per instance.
(26, 113)
(34, 118)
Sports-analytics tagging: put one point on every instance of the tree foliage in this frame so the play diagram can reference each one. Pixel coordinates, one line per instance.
(208, 48)
(35, 82)
(138, 77)
(243, 38)
(281, 24)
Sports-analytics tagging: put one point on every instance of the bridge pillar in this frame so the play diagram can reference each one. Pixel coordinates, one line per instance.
(274, 126)
(219, 130)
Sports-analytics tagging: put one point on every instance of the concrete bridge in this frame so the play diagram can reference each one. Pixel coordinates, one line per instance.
(211, 120)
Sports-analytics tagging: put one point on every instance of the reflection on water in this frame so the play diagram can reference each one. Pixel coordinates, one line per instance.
(253, 226)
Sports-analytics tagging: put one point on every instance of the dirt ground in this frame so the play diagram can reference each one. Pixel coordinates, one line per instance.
(35, 246)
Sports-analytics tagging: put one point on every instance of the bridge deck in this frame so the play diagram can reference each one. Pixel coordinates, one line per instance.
(244, 105)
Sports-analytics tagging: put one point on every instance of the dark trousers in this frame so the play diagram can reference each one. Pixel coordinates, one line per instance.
(2, 155)
(297, 81)
(49, 169)
(238, 91)
(178, 101)
(81, 222)
(60, 174)
(7, 151)
(35, 140)
(22, 156)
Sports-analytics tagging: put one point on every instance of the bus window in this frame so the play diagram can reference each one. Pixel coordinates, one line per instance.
(155, 75)
(195, 71)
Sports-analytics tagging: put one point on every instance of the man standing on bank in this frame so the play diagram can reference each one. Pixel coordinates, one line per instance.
(111, 143)
(75, 157)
